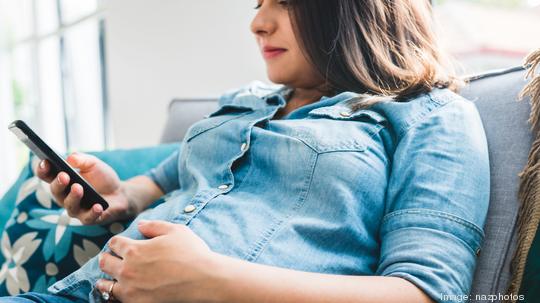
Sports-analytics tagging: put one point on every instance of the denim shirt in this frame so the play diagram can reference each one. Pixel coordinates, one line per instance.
(399, 189)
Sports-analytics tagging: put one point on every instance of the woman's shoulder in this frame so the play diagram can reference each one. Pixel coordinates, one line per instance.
(440, 107)
(445, 96)
(453, 108)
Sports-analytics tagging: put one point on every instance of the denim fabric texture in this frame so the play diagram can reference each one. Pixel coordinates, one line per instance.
(399, 189)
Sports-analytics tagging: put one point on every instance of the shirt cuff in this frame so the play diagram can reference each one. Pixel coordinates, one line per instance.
(434, 250)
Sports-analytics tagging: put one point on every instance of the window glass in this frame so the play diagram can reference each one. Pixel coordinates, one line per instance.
(50, 90)
(488, 34)
(23, 83)
(83, 97)
(73, 10)
(50, 77)
(17, 16)
(8, 168)
(46, 16)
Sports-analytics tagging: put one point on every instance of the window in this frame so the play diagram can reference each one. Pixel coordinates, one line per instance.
(52, 75)
(488, 34)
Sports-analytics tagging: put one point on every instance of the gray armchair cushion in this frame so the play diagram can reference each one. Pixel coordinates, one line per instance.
(509, 139)
(182, 114)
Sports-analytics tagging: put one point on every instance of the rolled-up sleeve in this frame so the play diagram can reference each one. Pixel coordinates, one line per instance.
(165, 175)
(436, 202)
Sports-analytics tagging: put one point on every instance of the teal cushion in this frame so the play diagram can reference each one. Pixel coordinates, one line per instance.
(40, 243)
(7, 203)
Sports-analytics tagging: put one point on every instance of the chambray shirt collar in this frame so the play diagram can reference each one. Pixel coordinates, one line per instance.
(337, 104)
(259, 95)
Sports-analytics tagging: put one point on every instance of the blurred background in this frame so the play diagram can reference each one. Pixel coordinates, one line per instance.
(99, 74)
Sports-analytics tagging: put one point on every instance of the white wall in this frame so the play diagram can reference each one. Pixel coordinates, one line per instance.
(161, 49)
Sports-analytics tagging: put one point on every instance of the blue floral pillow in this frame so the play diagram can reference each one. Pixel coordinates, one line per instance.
(41, 243)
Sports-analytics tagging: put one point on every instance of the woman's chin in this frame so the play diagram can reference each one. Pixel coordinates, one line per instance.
(278, 78)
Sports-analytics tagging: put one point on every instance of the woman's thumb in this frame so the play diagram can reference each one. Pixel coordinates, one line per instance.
(83, 162)
(155, 228)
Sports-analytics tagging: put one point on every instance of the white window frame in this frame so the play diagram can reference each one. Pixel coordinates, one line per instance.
(11, 160)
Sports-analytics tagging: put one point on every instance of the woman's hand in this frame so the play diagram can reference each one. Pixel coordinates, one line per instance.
(174, 265)
(102, 177)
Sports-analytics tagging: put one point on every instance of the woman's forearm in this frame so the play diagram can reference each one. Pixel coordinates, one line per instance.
(250, 282)
(140, 192)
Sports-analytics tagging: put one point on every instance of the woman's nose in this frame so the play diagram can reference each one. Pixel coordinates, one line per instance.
(263, 23)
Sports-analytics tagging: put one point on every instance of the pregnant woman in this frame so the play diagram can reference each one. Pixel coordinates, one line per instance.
(360, 176)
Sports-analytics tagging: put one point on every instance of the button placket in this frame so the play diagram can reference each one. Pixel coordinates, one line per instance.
(199, 201)
(197, 204)
(223, 186)
(245, 138)
(189, 208)
(244, 147)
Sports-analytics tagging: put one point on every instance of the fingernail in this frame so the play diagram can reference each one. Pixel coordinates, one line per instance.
(42, 164)
(59, 179)
(142, 222)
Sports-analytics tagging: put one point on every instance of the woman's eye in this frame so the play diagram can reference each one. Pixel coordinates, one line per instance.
(282, 3)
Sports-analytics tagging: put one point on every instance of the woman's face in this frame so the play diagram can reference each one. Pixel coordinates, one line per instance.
(285, 62)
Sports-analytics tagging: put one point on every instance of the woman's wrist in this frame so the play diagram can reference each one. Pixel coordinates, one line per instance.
(133, 206)
(222, 279)
(140, 192)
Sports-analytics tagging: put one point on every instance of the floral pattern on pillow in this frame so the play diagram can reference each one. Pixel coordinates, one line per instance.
(41, 244)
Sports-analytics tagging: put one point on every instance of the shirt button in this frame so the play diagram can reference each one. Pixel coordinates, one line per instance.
(223, 186)
(244, 146)
(189, 208)
(345, 114)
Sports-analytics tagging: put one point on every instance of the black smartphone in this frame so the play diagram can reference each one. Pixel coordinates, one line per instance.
(58, 164)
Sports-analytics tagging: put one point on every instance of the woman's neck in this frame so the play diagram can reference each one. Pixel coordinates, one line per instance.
(298, 98)
(304, 96)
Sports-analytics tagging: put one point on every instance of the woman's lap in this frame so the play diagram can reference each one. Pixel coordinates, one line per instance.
(38, 297)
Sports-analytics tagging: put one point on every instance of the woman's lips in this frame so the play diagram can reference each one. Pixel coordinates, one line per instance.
(269, 53)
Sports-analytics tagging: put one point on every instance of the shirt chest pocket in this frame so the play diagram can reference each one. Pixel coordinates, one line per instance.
(334, 129)
(222, 115)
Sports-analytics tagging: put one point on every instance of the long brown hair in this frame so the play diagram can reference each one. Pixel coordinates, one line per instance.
(379, 48)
